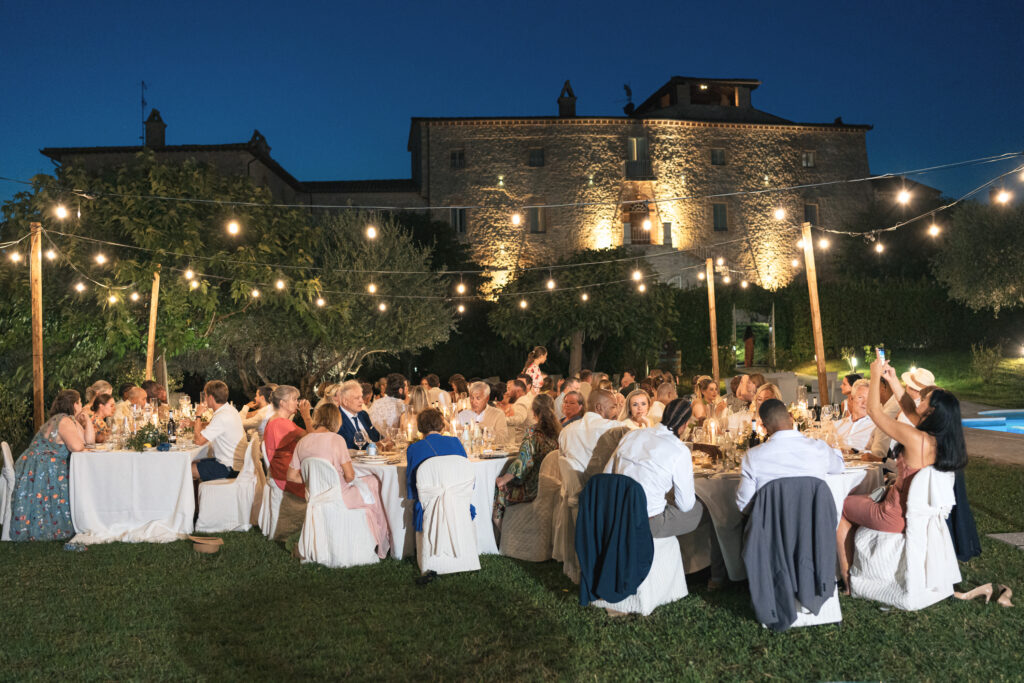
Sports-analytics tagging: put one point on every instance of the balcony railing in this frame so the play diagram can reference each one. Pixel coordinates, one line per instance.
(639, 170)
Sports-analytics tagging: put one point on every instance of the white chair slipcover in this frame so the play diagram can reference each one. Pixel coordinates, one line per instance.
(333, 535)
(270, 502)
(563, 524)
(665, 583)
(226, 504)
(526, 528)
(830, 613)
(447, 543)
(6, 491)
(917, 568)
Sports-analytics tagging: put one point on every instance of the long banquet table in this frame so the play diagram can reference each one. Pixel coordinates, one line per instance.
(399, 509)
(132, 497)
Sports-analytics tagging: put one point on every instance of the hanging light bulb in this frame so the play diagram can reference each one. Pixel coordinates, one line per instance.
(79, 287)
(255, 293)
(134, 296)
(800, 244)
(189, 274)
(720, 261)
(584, 296)
(320, 302)
(641, 288)
(279, 284)
(879, 247)
(726, 279)
(61, 211)
(550, 283)
(647, 224)
(15, 256)
(522, 303)
(1004, 196)
(234, 228)
(823, 243)
(795, 263)
(460, 288)
(934, 230)
(382, 307)
(371, 232)
(371, 288)
(637, 275)
(100, 259)
(743, 284)
(51, 254)
(516, 219)
(194, 284)
(903, 197)
(112, 299)
(700, 275)
(780, 214)
(461, 308)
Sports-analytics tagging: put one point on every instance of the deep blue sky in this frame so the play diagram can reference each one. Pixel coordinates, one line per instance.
(333, 85)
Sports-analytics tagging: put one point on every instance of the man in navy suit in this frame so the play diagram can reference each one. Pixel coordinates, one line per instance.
(353, 415)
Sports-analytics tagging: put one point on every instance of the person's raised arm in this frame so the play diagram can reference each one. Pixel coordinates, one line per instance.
(906, 434)
(307, 417)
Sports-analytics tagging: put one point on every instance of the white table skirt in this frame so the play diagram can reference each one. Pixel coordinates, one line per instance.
(718, 493)
(399, 509)
(132, 497)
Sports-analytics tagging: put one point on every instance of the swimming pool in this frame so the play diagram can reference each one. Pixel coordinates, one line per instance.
(1011, 421)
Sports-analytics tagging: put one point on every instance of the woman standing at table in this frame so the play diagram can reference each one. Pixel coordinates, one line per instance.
(534, 360)
(520, 478)
(324, 442)
(430, 423)
(634, 412)
(281, 435)
(41, 504)
(100, 409)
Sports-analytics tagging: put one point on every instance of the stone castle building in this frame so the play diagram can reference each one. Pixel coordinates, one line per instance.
(530, 190)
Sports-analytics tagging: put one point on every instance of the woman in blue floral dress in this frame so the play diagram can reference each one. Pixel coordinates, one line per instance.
(520, 478)
(41, 506)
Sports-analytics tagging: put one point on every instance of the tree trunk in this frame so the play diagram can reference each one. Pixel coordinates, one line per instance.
(595, 351)
(576, 353)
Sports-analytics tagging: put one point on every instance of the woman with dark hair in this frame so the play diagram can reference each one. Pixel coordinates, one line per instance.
(41, 503)
(520, 478)
(460, 388)
(430, 423)
(847, 388)
(748, 347)
(547, 387)
(938, 441)
(100, 409)
(534, 360)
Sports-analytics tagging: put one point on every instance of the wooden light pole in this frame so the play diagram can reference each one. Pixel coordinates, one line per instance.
(35, 262)
(812, 290)
(709, 267)
(151, 343)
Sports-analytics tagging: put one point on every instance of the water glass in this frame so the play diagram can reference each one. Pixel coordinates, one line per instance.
(359, 438)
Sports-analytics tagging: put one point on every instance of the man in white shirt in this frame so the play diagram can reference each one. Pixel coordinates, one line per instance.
(387, 410)
(257, 412)
(518, 413)
(856, 429)
(224, 434)
(578, 439)
(136, 397)
(483, 414)
(663, 395)
(786, 453)
(441, 398)
(570, 384)
(880, 441)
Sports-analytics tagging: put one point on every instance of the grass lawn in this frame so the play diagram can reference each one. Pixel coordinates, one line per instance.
(952, 371)
(252, 612)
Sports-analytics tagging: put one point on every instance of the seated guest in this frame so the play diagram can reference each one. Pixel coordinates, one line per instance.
(757, 379)
(367, 393)
(257, 412)
(663, 395)
(627, 384)
(547, 387)
(498, 394)
(572, 407)
(353, 417)
(123, 391)
(846, 387)
(743, 390)
(578, 439)
(855, 430)
(937, 440)
(419, 400)
(430, 423)
(41, 499)
(438, 398)
(483, 414)
(520, 477)
(570, 384)
(634, 413)
(100, 386)
(603, 451)
(763, 393)
(102, 407)
(387, 410)
(460, 388)
(155, 391)
(910, 397)
(224, 434)
(281, 435)
(331, 394)
(325, 443)
(517, 409)
(706, 401)
(136, 399)
(786, 453)
(586, 377)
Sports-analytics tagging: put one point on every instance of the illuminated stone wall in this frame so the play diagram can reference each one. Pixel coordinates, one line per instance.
(584, 164)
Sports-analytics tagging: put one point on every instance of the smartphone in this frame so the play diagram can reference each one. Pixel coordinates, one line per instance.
(880, 353)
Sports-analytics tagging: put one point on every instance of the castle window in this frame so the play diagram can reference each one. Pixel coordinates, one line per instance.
(458, 221)
(811, 214)
(666, 233)
(536, 157)
(720, 214)
(809, 158)
(536, 219)
(718, 157)
(458, 159)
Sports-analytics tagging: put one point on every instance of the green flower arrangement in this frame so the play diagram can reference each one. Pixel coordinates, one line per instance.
(147, 435)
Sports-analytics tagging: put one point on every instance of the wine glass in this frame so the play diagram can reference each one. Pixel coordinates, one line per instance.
(359, 439)
(826, 413)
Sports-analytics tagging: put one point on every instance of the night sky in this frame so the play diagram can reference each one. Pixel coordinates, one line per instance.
(332, 85)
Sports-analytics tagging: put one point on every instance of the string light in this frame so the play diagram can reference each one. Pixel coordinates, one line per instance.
(382, 307)
(320, 302)
(460, 288)
(371, 232)
(189, 274)
(516, 219)
(879, 247)
(79, 287)
(727, 279)
(255, 293)
(522, 303)
(233, 227)
(61, 211)
(700, 275)
(823, 243)
(795, 263)
(112, 299)
(371, 288)
(934, 230)
(101, 259)
(903, 197)
(1004, 196)
(15, 256)
(461, 308)
(194, 284)
(637, 275)
(720, 261)
(743, 284)
(641, 288)
(780, 214)
(134, 296)
(647, 224)
(800, 244)
(51, 254)
(584, 296)
(279, 284)
(550, 283)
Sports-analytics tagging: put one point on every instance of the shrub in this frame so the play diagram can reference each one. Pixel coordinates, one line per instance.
(15, 418)
(985, 361)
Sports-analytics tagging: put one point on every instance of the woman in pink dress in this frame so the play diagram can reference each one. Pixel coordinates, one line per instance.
(325, 443)
(534, 360)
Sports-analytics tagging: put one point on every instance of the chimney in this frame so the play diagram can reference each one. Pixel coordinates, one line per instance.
(155, 128)
(566, 102)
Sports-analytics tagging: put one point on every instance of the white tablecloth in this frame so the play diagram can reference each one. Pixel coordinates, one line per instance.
(718, 493)
(399, 508)
(132, 497)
